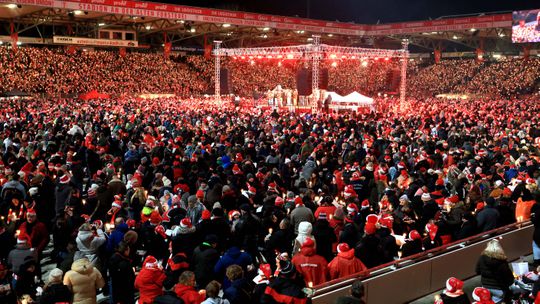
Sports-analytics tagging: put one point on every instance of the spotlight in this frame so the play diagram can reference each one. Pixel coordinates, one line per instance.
(12, 6)
(148, 27)
(266, 29)
(101, 24)
(330, 35)
(78, 12)
(193, 30)
(226, 25)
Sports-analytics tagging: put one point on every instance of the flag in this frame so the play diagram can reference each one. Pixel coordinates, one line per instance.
(167, 50)
(437, 54)
(122, 52)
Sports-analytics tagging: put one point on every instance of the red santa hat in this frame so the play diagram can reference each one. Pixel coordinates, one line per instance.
(355, 176)
(453, 285)
(206, 214)
(27, 168)
(343, 247)
(131, 223)
(386, 222)
(349, 191)
(414, 235)
(432, 229)
(239, 157)
(64, 179)
(233, 213)
(479, 206)
(279, 202)
(161, 231)
(372, 219)
(365, 204)
(426, 197)
(352, 207)
(265, 270)
(31, 211)
(252, 190)
(272, 186)
(439, 182)
(308, 242)
(454, 199)
(236, 169)
(24, 238)
(151, 263)
(116, 204)
(482, 296)
(200, 194)
(186, 223)
(298, 201)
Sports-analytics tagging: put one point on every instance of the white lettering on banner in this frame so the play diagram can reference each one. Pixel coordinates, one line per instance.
(141, 4)
(94, 42)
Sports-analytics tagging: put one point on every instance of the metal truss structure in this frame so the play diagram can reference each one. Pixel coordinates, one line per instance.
(314, 52)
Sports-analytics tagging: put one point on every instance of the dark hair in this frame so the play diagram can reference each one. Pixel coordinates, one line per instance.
(357, 289)
(212, 289)
(122, 247)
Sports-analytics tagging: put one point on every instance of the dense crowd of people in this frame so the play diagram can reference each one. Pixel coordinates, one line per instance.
(55, 71)
(182, 199)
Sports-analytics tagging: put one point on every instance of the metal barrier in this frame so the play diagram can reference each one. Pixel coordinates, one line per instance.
(408, 279)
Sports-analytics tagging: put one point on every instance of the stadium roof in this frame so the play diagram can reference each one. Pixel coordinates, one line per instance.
(189, 26)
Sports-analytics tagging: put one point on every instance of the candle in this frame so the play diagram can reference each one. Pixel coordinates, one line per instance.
(83, 201)
(399, 253)
(146, 193)
(17, 232)
(270, 230)
(520, 218)
(310, 284)
(331, 216)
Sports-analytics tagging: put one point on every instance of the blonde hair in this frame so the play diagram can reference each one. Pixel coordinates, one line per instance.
(494, 250)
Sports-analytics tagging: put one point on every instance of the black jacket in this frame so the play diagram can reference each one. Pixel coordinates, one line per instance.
(122, 278)
(324, 237)
(204, 259)
(56, 293)
(494, 273)
(411, 248)
(283, 287)
(368, 250)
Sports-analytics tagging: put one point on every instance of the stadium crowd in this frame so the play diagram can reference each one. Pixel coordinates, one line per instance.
(53, 71)
(190, 201)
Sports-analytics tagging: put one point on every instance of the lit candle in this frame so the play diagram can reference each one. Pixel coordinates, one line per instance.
(107, 226)
(520, 218)
(331, 216)
(21, 210)
(399, 253)
(270, 230)
(146, 193)
(84, 202)
(17, 232)
(310, 284)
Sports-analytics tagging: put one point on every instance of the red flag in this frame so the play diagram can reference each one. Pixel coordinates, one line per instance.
(207, 51)
(71, 49)
(14, 37)
(122, 52)
(167, 49)
(437, 54)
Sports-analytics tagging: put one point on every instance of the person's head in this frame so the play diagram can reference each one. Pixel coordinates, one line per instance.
(212, 289)
(494, 250)
(118, 221)
(234, 272)
(31, 216)
(187, 278)
(357, 289)
(123, 248)
(55, 276)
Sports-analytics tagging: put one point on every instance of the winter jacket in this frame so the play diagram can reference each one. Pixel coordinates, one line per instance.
(88, 245)
(63, 195)
(325, 238)
(56, 293)
(83, 280)
(38, 234)
(284, 290)
(368, 250)
(204, 259)
(116, 236)
(310, 265)
(216, 301)
(344, 264)
(411, 247)
(494, 273)
(18, 255)
(487, 219)
(122, 278)
(239, 292)
(231, 257)
(188, 294)
(460, 299)
(149, 282)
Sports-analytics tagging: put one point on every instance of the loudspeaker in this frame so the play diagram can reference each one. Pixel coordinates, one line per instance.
(303, 82)
(225, 81)
(323, 79)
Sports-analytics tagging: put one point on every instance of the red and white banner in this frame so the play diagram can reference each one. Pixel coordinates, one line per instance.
(94, 42)
(197, 14)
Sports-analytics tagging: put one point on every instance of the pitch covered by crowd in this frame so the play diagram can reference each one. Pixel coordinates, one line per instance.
(169, 197)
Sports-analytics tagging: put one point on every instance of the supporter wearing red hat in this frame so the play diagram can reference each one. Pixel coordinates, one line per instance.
(482, 296)
(453, 293)
(368, 248)
(432, 240)
(413, 244)
(150, 280)
(312, 266)
(345, 263)
(38, 231)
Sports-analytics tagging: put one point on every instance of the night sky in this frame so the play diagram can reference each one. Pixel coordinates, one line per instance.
(366, 11)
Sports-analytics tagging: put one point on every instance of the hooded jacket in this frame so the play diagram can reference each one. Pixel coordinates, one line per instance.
(83, 279)
(149, 282)
(88, 244)
(18, 255)
(304, 231)
(188, 294)
(344, 264)
(312, 266)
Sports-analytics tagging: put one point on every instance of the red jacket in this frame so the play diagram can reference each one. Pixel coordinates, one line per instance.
(188, 294)
(39, 235)
(312, 266)
(344, 264)
(149, 282)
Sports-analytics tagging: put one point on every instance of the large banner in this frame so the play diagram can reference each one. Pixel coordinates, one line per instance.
(526, 26)
(94, 42)
(197, 14)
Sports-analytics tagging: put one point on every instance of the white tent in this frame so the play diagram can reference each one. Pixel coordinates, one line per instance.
(350, 102)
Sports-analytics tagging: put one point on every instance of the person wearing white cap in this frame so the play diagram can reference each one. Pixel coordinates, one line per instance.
(55, 291)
